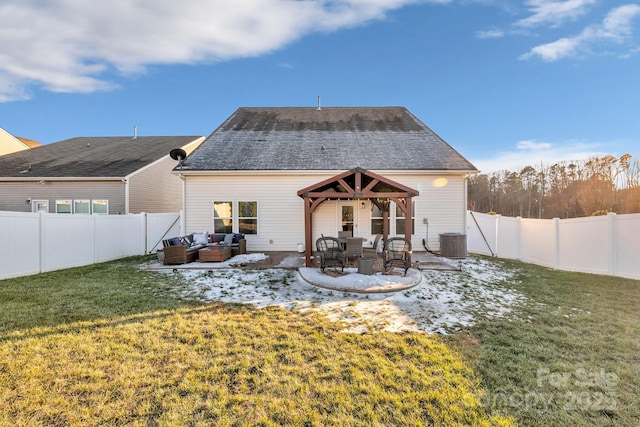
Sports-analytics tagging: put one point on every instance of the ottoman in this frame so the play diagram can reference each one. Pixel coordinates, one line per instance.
(214, 254)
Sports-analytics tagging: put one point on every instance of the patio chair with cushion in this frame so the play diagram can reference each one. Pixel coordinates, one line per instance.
(331, 253)
(397, 253)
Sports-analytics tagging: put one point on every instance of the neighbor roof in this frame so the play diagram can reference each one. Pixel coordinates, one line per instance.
(29, 142)
(331, 138)
(90, 156)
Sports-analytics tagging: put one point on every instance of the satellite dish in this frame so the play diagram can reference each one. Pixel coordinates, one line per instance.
(178, 154)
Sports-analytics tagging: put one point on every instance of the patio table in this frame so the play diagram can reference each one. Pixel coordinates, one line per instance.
(214, 254)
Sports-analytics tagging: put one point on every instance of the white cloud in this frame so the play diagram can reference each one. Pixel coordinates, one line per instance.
(533, 153)
(554, 12)
(615, 28)
(490, 34)
(533, 145)
(73, 45)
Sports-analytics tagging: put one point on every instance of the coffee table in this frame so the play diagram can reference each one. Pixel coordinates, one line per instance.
(214, 254)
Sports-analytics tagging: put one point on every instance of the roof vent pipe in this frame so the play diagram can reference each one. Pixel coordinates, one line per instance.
(319, 108)
(135, 132)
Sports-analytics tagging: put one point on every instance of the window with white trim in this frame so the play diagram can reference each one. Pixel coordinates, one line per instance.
(376, 219)
(81, 207)
(248, 217)
(63, 206)
(100, 206)
(222, 217)
(400, 219)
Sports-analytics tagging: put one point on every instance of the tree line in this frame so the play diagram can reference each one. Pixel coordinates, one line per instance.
(567, 189)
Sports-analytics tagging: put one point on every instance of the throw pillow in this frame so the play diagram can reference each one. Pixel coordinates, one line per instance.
(228, 239)
(200, 238)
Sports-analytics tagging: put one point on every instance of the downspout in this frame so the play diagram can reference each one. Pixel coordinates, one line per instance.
(183, 211)
(125, 180)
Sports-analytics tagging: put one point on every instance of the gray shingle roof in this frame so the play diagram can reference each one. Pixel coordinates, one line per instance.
(90, 156)
(333, 138)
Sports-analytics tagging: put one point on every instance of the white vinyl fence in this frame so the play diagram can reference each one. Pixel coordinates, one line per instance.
(602, 244)
(33, 243)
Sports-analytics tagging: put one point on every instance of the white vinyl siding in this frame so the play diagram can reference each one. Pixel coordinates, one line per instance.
(281, 212)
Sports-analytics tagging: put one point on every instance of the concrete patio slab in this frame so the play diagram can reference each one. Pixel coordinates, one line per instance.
(351, 281)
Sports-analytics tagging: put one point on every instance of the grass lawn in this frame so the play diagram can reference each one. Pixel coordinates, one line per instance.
(114, 345)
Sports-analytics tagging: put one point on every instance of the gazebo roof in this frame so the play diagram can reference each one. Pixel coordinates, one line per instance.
(357, 184)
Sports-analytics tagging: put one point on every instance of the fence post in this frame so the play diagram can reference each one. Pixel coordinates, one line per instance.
(40, 240)
(145, 224)
(496, 236)
(556, 246)
(519, 238)
(94, 226)
(612, 242)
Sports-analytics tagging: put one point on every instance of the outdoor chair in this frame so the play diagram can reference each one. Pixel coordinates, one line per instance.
(397, 253)
(178, 254)
(331, 253)
(374, 248)
(354, 248)
(344, 234)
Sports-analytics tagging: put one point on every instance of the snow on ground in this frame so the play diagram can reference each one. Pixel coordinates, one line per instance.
(444, 301)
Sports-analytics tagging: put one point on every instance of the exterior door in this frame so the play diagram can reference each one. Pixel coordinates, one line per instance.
(40, 206)
(348, 217)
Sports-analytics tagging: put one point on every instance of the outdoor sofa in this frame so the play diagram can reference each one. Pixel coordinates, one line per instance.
(185, 249)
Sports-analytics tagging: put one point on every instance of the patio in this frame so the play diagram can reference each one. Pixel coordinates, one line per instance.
(348, 281)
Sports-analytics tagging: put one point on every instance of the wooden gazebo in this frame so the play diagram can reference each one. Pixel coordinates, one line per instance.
(358, 184)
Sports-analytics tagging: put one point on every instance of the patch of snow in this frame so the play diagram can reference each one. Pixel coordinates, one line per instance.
(444, 302)
(292, 261)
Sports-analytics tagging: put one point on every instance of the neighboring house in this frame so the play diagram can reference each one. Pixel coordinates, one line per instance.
(11, 144)
(284, 176)
(106, 175)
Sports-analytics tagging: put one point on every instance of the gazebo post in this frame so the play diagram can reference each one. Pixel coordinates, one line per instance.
(385, 225)
(308, 235)
(407, 217)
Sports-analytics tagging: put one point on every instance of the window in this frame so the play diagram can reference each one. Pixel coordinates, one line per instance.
(376, 220)
(400, 219)
(81, 207)
(100, 206)
(222, 217)
(40, 206)
(347, 218)
(63, 206)
(248, 217)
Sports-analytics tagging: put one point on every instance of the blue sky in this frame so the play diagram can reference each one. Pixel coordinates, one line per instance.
(507, 83)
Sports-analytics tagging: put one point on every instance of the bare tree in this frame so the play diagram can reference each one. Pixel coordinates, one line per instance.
(564, 189)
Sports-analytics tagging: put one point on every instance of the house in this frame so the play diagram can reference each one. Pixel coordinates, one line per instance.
(11, 144)
(285, 176)
(106, 175)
